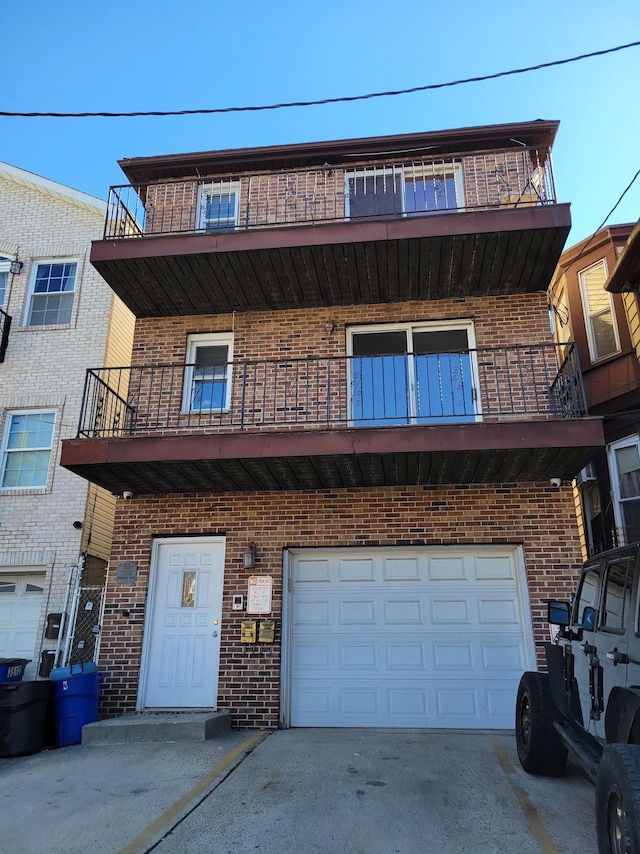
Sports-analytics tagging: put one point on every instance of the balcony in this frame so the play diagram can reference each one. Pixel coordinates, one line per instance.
(468, 223)
(473, 416)
(5, 326)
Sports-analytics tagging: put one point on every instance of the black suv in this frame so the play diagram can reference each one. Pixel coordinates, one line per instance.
(589, 700)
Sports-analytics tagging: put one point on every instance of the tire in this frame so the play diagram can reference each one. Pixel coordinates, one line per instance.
(618, 800)
(540, 748)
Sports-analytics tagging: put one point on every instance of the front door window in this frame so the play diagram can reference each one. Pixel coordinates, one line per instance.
(412, 375)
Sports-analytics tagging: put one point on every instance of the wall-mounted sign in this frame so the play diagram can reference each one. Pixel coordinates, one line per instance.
(259, 594)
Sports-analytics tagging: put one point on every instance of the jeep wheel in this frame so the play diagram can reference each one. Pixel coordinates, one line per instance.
(540, 748)
(618, 800)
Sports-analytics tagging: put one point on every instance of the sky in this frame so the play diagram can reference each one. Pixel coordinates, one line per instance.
(132, 55)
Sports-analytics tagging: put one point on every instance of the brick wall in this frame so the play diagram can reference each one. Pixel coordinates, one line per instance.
(540, 519)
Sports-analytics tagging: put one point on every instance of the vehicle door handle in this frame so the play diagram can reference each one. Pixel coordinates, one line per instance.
(618, 657)
(588, 648)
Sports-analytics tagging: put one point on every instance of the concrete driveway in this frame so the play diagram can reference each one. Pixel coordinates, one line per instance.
(299, 790)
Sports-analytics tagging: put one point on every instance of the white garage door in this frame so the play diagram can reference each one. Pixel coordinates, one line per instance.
(430, 637)
(20, 603)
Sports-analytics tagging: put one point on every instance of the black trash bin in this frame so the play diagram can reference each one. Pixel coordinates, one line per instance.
(23, 712)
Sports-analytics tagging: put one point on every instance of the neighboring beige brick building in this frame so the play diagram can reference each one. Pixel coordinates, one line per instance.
(58, 317)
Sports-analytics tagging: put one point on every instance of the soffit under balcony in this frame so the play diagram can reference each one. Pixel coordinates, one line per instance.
(334, 459)
(480, 253)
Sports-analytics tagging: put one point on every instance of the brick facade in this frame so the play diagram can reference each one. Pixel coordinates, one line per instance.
(540, 519)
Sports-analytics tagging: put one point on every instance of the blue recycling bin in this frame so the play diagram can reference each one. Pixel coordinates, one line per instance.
(75, 703)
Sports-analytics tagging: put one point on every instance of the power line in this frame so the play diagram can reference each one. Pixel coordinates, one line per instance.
(566, 269)
(340, 100)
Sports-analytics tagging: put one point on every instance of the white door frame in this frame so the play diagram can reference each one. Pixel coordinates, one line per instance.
(287, 604)
(148, 611)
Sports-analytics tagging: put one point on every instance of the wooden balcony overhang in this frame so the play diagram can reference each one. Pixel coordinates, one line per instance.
(331, 459)
(475, 253)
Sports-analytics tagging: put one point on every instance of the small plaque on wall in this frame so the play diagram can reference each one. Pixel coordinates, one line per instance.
(127, 572)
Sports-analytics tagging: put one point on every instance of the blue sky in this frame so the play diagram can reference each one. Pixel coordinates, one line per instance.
(126, 55)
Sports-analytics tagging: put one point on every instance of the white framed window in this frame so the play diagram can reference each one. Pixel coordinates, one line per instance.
(207, 382)
(413, 374)
(26, 449)
(602, 331)
(52, 290)
(219, 206)
(624, 466)
(4, 275)
(409, 190)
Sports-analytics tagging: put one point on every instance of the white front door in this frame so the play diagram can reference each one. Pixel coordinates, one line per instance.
(181, 652)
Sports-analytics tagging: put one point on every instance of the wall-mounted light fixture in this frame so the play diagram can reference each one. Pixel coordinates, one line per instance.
(330, 326)
(250, 555)
(16, 266)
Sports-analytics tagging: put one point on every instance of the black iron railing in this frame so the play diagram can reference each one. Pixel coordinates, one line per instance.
(5, 326)
(458, 182)
(493, 384)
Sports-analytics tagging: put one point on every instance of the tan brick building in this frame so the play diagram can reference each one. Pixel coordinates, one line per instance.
(346, 437)
(57, 316)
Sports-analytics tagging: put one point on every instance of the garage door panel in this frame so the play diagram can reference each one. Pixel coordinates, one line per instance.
(493, 567)
(358, 612)
(425, 639)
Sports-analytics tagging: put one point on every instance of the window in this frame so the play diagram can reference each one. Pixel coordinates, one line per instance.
(413, 374)
(586, 606)
(4, 274)
(432, 189)
(219, 206)
(27, 449)
(624, 464)
(405, 190)
(602, 333)
(208, 374)
(52, 293)
(617, 593)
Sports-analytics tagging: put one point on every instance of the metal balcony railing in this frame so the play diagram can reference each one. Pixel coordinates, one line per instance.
(5, 326)
(406, 188)
(494, 384)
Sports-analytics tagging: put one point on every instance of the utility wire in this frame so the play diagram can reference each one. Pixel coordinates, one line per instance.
(340, 100)
(593, 236)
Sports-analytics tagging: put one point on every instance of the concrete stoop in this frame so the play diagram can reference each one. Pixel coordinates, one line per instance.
(133, 729)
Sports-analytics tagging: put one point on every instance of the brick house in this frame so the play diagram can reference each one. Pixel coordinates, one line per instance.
(56, 316)
(346, 422)
(594, 299)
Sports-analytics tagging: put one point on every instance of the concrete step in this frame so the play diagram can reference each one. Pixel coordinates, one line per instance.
(133, 729)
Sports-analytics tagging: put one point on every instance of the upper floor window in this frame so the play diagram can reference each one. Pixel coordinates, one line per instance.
(26, 449)
(624, 464)
(219, 206)
(602, 333)
(4, 274)
(413, 374)
(51, 299)
(207, 384)
(404, 190)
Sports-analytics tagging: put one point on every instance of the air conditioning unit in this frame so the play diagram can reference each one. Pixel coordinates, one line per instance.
(586, 475)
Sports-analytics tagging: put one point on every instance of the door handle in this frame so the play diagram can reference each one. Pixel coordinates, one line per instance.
(618, 657)
(588, 648)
